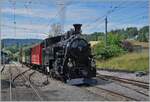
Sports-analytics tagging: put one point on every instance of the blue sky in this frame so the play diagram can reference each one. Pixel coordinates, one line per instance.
(34, 17)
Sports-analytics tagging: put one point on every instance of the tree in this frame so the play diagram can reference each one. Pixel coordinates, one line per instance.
(132, 32)
(143, 35)
(112, 49)
(144, 29)
(94, 36)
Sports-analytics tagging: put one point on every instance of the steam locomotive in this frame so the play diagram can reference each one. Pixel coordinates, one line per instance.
(67, 57)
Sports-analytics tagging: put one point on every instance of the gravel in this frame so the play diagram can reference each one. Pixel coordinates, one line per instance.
(56, 90)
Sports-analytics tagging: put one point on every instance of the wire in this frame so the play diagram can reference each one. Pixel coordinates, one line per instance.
(106, 14)
(14, 5)
(109, 12)
(13, 2)
(128, 18)
(24, 29)
(64, 7)
(101, 19)
(26, 5)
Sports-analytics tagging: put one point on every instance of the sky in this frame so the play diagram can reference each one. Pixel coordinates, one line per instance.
(25, 19)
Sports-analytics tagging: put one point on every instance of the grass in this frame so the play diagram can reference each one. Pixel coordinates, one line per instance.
(129, 62)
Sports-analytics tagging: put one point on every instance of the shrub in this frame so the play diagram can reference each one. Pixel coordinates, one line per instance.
(112, 49)
(108, 52)
(114, 39)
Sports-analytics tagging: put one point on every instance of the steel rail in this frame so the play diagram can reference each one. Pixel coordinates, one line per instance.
(115, 93)
(124, 86)
(20, 74)
(3, 68)
(109, 92)
(34, 89)
(10, 84)
(144, 85)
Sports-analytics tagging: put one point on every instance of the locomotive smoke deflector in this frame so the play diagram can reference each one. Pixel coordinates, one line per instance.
(77, 28)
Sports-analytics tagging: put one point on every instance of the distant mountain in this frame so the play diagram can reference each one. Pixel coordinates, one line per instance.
(19, 42)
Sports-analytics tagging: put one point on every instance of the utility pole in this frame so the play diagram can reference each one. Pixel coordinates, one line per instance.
(106, 31)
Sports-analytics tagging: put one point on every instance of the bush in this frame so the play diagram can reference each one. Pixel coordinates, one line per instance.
(108, 52)
(112, 49)
(114, 39)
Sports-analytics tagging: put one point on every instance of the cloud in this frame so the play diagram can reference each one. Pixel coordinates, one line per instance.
(21, 34)
(82, 14)
(115, 25)
(27, 27)
(41, 13)
(100, 27)
(24, 31)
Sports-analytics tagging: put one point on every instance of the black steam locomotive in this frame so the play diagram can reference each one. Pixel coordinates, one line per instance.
(67, 57)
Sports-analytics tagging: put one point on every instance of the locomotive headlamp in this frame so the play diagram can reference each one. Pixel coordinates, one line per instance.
(70, 64)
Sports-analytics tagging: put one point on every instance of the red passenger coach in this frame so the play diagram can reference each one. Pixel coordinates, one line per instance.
(36, 54)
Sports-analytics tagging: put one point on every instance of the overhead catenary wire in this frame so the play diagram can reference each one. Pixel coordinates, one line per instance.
(102, 18)
(125, 25)
(13, 3)
(113, 9)
(134, 17)
(98, 20)
(61, 13)
(14, 16)
(24, 29)
(28, 10)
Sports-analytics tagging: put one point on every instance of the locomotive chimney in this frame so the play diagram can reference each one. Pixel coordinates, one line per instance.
(77, 28)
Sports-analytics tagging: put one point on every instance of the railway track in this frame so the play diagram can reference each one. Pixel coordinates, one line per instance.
(126, 86)
(35, 89)
(100, 91)
(15, 75)
(129, 84)
(10, 83)
(3, 67)
(108, 94)
(144, 85)
(38, 83)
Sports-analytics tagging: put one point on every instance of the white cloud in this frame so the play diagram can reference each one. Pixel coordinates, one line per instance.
(100, 27)
(24, 31)
(32, 13)
(115, 25)
(75, 14)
